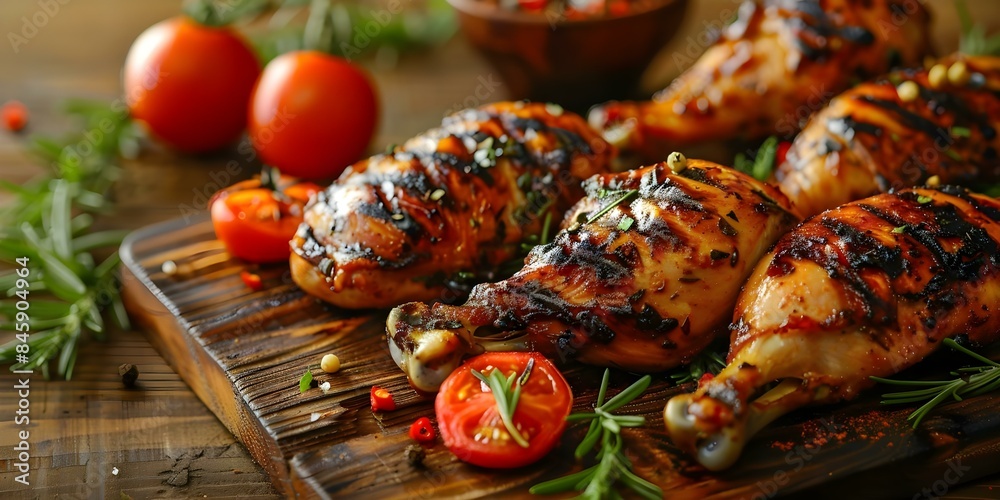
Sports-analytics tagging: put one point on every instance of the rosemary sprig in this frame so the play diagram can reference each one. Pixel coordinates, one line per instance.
(613, 466)
(763, 163)
(971, 382)
(48, 223)
(707, 361)
(507, 391)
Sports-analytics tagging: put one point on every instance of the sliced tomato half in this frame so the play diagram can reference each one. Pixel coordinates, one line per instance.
(470, 423)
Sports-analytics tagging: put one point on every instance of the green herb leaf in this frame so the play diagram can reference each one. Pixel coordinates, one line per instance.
(921, 199)
(961, 132)
(610, 206)
(899, 230)
(305, 381)
(763, 164)
(625, 223)
(707, 361)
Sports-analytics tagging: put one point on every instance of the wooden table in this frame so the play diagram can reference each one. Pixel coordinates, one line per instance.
(90, 436)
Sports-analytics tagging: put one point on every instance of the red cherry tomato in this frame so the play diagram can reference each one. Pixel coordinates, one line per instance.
(312, 114)
(782, 152)
(15, 115)
(190, 84)
(251, 280)
(532, 4)
(471, 426)
(422, 431)
(382, 399)
(255, 223)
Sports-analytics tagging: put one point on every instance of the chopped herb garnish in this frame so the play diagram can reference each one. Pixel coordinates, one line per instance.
(961, 132)
(763, 164)
(621, 199)
(546, 238)
(506, 391)
(899, 230)
(437, 194)
(921, 199)
(626, 223)
(953, 155)
(305, 381)
(707, 361)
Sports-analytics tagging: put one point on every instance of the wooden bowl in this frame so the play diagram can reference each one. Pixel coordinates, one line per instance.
(576, 63)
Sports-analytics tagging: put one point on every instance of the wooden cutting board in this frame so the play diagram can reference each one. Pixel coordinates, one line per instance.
(243, 352)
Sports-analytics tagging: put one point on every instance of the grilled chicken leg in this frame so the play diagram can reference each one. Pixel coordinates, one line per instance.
(778, 63)
(444, 210)
(875, 137)
(869, 288)
(641, 277)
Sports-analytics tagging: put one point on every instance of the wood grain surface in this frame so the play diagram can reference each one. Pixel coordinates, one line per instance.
(163, 440)
(243, 351)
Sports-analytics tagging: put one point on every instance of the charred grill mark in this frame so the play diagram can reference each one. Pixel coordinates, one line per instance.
(948, 223)
(862, 258)
(727, 228)
(905, 116)
(583, 255)
(650, 320)
(817, 25)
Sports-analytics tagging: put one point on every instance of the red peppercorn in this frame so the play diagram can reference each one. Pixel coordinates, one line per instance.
(422, 431)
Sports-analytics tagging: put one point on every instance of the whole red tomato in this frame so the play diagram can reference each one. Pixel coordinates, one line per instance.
(312, 114)
(255, 222)
(190, 83)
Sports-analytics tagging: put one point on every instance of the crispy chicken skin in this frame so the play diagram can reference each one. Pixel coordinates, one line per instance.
(869, 288)
(446, 208)
(874, 137)
(644, 286)
(778, 63)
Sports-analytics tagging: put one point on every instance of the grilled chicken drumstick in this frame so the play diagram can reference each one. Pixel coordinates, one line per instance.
(869, 288)
(452, 203)
(897, 132)
(779, 62)
(641, 277)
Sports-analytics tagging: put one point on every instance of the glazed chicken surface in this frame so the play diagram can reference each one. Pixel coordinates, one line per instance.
(642, 276)
(444, 210)
(893, 134)
(778, 63)
(869, 288)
